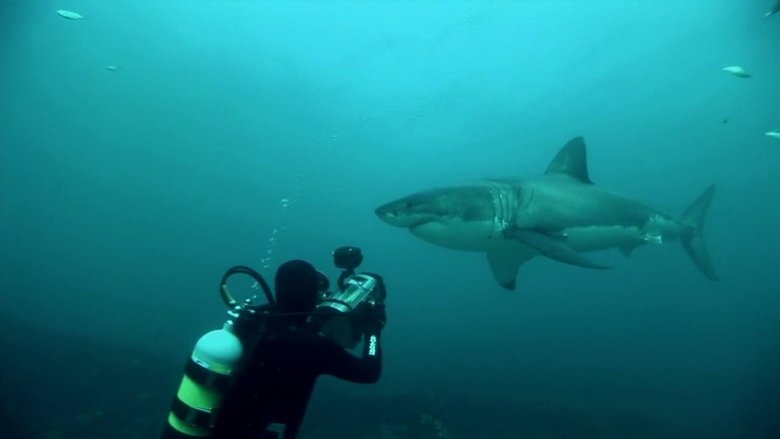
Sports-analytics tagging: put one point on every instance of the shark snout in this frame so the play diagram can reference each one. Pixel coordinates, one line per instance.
(400, 213)
(389, 214)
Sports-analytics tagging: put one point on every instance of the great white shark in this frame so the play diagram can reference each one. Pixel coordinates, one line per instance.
(560, 214)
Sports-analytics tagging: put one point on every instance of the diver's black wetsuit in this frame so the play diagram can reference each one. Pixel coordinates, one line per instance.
(275, 384)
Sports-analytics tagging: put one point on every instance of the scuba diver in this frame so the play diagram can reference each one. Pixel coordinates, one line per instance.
(280, 350)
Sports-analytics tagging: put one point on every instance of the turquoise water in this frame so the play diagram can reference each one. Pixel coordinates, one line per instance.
(152, 145)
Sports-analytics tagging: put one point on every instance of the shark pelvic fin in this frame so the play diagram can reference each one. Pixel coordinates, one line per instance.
(571, 160)
(775, 9)
(553, 248)
(628, 249)
(505, 263)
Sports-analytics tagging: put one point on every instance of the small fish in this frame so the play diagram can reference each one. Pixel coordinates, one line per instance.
(773, 134)
(112, 68)
(737, 71)
(70, 15)
(775, 9)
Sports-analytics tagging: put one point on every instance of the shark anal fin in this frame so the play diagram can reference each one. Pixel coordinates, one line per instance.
(627, 250)
(553, 248)
(504, 263)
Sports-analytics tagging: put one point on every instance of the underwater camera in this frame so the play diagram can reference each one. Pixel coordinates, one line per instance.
(340, 312)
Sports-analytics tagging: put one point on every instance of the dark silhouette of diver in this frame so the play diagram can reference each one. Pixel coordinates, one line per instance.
(273, 386)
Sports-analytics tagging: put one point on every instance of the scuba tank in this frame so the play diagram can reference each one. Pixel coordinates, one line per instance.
(214, 358)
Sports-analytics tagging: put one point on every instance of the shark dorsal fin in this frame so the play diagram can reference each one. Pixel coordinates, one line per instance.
(571, 161)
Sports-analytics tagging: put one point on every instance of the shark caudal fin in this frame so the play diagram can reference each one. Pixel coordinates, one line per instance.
(693, 240)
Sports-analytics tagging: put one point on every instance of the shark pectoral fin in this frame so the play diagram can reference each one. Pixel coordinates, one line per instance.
(553, 248)
(505, 263)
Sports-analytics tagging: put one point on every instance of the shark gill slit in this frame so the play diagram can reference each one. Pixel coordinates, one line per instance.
(505, 205)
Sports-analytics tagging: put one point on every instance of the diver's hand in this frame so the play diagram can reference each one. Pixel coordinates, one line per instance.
(373, 317)
(380, 292)
(378, 316)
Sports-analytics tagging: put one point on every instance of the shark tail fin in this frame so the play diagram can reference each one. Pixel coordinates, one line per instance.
(693, 240)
